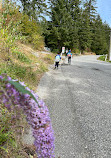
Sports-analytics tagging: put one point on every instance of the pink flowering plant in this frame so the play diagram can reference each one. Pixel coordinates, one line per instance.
(15, 96)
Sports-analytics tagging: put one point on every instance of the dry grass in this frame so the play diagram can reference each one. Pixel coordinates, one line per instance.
(29, 70)
(88, 53)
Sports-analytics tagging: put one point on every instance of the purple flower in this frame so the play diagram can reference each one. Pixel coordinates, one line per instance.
(8, 106)
(1, 77)
(37, 115)
(9, 78)
(8, 85)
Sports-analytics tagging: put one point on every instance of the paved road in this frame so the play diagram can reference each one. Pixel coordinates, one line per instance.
(79, 100)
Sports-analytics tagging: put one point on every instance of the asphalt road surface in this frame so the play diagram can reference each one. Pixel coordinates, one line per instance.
(79, 100)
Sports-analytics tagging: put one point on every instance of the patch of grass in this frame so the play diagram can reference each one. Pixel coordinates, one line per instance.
(43, 68)
(49, 58)
(29, 74)
(13, 70)
(102, 58)
(20, 56)
(4, 135)
(11, 134)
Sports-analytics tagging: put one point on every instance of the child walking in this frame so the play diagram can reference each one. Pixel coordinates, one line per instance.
(57, 60)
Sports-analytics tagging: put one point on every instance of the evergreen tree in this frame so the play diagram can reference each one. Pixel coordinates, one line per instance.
(73, 27)
(65, 17)
(61, 25)
(90, 7)
(85, 32)
(75, 12)
(100, 44)
(34, 8)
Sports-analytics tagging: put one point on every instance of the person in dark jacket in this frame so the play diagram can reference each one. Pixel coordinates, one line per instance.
(69, 55)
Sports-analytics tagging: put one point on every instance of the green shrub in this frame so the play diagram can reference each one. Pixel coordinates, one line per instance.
(102, 58)
(55, 50)
(32, 31)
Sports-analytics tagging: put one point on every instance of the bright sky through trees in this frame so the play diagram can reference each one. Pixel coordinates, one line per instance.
(104, 9)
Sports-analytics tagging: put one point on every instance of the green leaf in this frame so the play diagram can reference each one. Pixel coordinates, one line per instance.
(4, 149)
(2, 130)
(21, 89)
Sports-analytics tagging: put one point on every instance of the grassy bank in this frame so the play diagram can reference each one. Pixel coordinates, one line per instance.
(26, 65)
(21, 43)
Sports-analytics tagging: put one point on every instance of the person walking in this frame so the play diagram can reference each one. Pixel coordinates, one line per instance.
(57, 60)
(69, 55)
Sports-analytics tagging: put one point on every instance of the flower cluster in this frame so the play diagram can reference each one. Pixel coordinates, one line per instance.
(37, 115)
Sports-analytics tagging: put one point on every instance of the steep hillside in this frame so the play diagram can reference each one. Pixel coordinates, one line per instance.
(25, 64)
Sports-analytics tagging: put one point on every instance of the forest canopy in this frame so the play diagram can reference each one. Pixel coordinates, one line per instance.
(73, 24)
